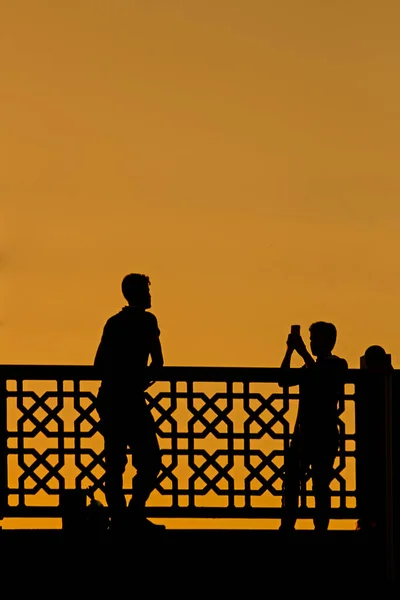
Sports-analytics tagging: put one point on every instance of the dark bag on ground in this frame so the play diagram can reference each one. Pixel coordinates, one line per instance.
(79, 516)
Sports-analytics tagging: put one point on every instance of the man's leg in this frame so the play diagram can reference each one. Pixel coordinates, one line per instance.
(146, 458)
(115, 448)
(293, 468)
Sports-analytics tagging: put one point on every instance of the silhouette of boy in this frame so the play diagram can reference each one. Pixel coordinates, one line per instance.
(130, 338)
(315, 439)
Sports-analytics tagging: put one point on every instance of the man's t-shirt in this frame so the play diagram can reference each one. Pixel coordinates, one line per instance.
(319, 395)
(124, 349)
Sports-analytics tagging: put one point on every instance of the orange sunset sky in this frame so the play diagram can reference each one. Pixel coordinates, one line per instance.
(242, 153)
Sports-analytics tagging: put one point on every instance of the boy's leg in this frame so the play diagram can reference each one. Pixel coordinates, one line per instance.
(293, 468)
(323, 458)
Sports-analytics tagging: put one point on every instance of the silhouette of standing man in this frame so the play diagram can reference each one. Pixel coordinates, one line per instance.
(130, 338)
(315, 439)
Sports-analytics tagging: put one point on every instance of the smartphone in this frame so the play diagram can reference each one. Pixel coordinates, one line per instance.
(295, 329)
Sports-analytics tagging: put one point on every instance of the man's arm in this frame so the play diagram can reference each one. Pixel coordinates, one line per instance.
(156, 355)
(157, 361)
(155, 350)
(100, 359)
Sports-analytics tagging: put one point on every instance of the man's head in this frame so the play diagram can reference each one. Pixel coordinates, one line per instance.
(136, 290)
(322, 338)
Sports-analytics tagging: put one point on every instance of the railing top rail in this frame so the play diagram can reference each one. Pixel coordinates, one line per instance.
(167, 373)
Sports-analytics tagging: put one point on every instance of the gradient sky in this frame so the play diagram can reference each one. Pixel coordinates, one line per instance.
(242, 153)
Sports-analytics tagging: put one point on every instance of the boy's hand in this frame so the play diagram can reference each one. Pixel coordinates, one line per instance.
(292, 341)
(301, 347)
(295, 342)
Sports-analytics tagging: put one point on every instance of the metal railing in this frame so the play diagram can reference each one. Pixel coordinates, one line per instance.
(223, 433)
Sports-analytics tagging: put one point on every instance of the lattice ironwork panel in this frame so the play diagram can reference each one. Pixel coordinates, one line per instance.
(222, 444)
(53, 440)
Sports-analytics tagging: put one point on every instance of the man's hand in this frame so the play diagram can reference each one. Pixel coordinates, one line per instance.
(148, 383)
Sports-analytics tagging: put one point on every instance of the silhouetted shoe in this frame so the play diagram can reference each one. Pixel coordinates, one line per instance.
(286, 533)
(366, 526)
(143, 525)
(321, 533)
(119, 523)
(285, 528)
(117, 527)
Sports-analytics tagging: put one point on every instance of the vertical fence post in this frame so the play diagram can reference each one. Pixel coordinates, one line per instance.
(3, 447)
(389, 505)
(396, 472)
(394, 423)
(375, 452)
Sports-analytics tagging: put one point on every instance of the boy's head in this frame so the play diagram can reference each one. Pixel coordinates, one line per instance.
(136, 290)
(322, 338)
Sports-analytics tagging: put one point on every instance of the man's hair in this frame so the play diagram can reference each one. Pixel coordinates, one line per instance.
(327, 330)
(134, 286)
